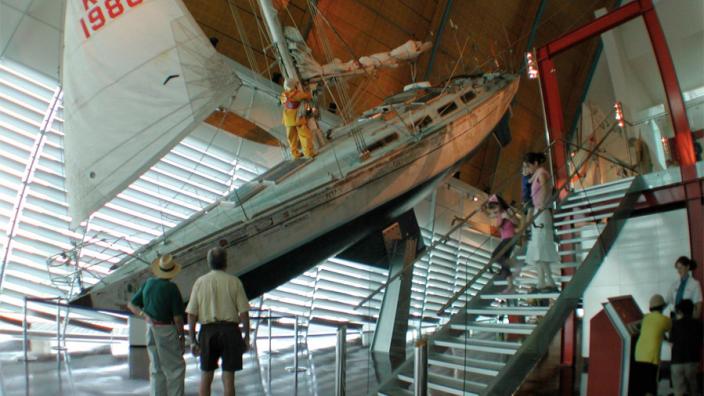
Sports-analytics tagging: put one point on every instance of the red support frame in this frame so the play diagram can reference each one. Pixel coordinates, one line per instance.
(678, 114)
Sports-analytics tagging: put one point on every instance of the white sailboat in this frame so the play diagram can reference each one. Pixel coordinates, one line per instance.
(297, 214)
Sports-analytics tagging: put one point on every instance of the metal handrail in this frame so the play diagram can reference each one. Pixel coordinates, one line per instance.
(424, 253)
(518, 236)
(446, 237)
(604, 157)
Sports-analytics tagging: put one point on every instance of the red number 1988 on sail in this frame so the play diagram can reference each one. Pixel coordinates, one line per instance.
(98, 14)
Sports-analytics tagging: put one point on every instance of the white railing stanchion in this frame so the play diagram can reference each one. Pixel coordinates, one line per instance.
(58, 331)
(295, 357)
(271, 318)
(340, 361)
(25, 336)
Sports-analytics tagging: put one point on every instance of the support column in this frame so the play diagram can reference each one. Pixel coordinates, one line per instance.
(137, 359)
(694, 194)
(554, 117)
(555, 124)
(392, 325)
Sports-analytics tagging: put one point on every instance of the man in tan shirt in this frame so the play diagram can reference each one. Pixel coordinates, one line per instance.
(218, 302)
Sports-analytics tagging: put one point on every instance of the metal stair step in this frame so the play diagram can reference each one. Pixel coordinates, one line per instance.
(591, 227)
(453, 386)
(476, 366)
(564, 212)
(601, 189)
(521, 311)
(626, 181)
(515, 296)
(586, 202)
(560, 253)
(532, 281)
(569, 264)
(395, 391)
(509, 328)
(475, 344)
(578, 239)
(583, 219)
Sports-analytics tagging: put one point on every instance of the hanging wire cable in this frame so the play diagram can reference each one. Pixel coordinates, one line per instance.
(234, 10)
(264, 38)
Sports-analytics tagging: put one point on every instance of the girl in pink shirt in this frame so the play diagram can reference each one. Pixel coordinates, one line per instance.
(505, 220)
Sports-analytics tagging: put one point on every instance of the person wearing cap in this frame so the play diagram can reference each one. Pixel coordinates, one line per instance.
(219, 303)
(653, 327)
(295, 121)
(158, 301)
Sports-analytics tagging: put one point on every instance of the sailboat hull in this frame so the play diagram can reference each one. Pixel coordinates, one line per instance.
(270, 237)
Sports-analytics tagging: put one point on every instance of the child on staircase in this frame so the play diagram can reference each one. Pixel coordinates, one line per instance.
(506, 221)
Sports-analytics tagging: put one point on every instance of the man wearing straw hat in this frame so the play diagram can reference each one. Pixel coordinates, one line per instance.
(158, 301)
(218, 302)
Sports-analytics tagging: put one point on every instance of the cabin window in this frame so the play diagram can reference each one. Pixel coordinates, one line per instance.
(431, 94)
(422, 123)
(447, 109)
(382, 142)
(468, 96)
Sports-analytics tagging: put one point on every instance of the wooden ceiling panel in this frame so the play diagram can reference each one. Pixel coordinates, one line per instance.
(424, 8)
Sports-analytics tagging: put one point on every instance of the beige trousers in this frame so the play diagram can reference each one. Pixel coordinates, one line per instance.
(167, 369)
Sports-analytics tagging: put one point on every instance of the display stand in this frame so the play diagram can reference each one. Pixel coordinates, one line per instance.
(612, 343)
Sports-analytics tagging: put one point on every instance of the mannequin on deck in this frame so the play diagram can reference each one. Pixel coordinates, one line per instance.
(295, 121)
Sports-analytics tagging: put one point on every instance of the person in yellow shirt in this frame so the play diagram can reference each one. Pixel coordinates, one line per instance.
(294, 119)
(647, 355)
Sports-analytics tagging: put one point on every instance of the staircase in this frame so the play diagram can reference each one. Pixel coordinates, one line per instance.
(478, 352)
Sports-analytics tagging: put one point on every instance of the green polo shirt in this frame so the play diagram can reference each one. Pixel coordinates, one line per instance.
(160, 299)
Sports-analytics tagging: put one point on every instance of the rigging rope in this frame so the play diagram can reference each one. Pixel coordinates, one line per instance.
(262, 33)
(234, 10)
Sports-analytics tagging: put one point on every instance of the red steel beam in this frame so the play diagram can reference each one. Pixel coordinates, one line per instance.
(675, 101)
(594, 28)
(678, 114)
(555, 124)
(554, 119)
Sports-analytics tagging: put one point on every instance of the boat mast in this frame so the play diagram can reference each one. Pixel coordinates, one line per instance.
(285, 60)
(278, 39)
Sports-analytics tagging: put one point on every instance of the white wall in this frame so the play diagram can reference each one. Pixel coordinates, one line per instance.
(640, 264)
(30, 33)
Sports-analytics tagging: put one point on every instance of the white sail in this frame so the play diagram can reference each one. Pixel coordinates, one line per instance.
(310, 69)
(138, 76)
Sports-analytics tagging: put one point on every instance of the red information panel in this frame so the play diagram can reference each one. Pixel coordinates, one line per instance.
(627, 309)
(607, 348)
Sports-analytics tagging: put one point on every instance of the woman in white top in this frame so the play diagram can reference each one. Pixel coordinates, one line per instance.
(686, 287)
(542, 250)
